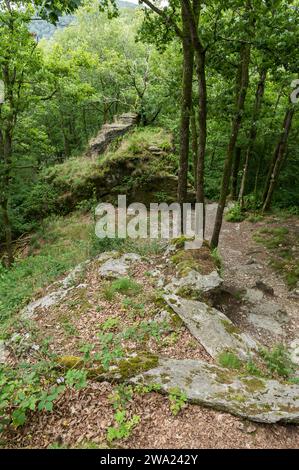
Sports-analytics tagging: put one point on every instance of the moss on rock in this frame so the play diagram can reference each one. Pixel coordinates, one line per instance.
(119, 371)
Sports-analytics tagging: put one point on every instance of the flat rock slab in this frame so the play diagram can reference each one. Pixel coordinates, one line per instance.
(294, 351)
(4, 353)
(196, 282)
(53, 298)
(261, 400)
(269, 316)
(115, 268)
(212, 328)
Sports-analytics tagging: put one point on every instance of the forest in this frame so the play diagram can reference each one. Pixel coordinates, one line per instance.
(111, 343)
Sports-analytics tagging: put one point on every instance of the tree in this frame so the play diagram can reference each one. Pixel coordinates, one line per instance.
(253, 131)
(242, 86)
(19, 63)
(278, 156)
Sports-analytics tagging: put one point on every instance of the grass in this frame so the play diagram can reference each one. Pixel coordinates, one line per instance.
(229, 360)
(58, 246)
(278, 361)
(269, 364)
(217, 260)
(284, 247)
(70, 243)
(123, 285)
(272, 237)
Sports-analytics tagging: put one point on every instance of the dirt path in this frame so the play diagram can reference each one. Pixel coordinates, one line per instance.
(247, 263)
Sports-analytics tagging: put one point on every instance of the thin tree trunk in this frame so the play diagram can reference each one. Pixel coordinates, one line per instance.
(264, 152)
(192, 13)
(7, 148)
(194, 144)
(212, 160)
(245, 59)
(186, 107)
(202, 121)
(235, 172)
(278, 157)
(8, 232)
(253, 132)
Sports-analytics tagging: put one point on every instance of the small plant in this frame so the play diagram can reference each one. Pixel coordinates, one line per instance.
(278, 361)
(141, 331)
(138, 308)
(229, 360)
(69, 328)
(178, 400)
(111, 349)
(123, 427)
(143, 389)
(254, 218)
(123, 424)
(234, 214)
(123, 285)
(171, 339)
(253, 369)
(217, 259)
(30, 388)
(110, 324)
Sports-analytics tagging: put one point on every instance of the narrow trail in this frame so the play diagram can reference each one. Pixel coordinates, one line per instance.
(269, 312)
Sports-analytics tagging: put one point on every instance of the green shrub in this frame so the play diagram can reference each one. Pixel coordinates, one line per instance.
(234, 214)
(278, 361)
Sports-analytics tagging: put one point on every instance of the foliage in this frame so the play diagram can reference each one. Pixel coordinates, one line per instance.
(177, 400)
(229, 360)
(123, 423)
(217, 259)
(32, 387)
(278, 361)
(234, 214)
(123, 286)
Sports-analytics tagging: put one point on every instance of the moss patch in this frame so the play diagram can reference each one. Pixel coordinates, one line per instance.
(253, 385)
(230, 327)
(188, 292)
(120, 370)
(201, 260)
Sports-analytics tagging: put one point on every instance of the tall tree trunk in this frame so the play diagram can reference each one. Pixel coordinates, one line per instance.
(245, 59)
(193, 13)
(186, 107)
(278, 157)
(235, 172)
(202, 124)
(194, 144)
(253, 132)
(211, 165)
(265, 147)
(8, 232)
(6, 150)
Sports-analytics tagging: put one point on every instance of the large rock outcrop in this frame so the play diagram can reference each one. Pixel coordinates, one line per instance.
(212, 328)
(110, 132)
(257, 399)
